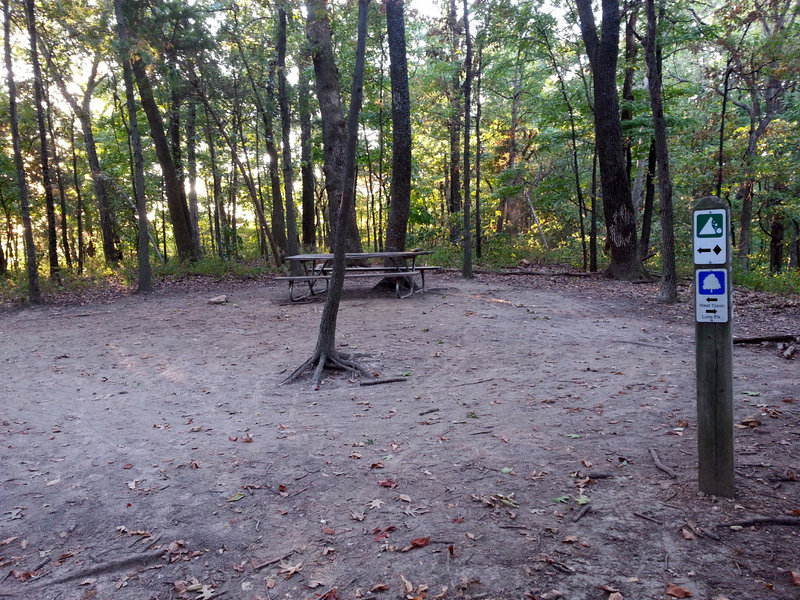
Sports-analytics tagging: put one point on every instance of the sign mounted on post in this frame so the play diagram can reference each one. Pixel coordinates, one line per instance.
(711, 296)
(710, 237)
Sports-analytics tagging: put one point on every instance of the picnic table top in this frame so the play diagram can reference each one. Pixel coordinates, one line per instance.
(360, 255)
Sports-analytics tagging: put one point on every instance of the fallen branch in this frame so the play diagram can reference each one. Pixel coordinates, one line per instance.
(661, 466)
(765, 338)
(646, 518)
(382, 381)
(582, 513)
(272, 561)
(791, 521)
(473, 382)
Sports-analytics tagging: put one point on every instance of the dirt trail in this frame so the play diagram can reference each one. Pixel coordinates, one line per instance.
(160, 423)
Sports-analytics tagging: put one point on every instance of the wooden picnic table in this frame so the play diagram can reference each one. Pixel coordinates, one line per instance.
(400, 266)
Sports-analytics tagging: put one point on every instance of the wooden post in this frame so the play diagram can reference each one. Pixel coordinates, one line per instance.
(714, 346)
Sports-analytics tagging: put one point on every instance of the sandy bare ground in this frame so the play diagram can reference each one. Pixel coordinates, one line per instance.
(149, 450)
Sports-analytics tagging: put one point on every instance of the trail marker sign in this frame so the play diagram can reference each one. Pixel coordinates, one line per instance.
(710, 237)
(711, 295)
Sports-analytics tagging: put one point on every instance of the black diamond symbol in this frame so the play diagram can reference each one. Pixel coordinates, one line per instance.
(717, 249)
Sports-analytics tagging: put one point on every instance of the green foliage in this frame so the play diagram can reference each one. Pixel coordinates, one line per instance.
(761, 279)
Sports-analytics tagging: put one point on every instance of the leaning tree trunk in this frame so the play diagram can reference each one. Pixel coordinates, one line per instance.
(325, 353)
(668, 291)
(173, 185)
(620, 217)
(400, 199)
(34, 294)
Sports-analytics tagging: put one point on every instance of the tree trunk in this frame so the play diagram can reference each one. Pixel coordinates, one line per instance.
(38, 92)
(143, 251)
(217, 186)
(620, 218)
(454, 126)
(776, 237)
(306, 164)
(278, 214)
(325, 353)
(400, 199)
(79, 197)
(631, 50)
(59, 182)
(286, 128)
(668, 290)
(191, 160)
(466, 270)
(34, 294)
(334, 128)
(649, 201)
(173, 187)
(478, 150)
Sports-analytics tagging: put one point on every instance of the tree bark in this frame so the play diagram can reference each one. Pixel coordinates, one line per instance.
(173, 187)
(618, 210)
(191, 164)
(145, 283)
(466, 270)
(79, 196)
(478, 150)
(34, 293)
(38, 92)
(400, 199)
(334, 128)
(668, 290)
(59, 182)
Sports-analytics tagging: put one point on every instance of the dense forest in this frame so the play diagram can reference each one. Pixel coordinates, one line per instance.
(143, 133)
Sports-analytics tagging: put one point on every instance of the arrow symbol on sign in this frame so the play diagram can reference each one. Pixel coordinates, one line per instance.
(712, 299)
(712, 311)
(702, 250)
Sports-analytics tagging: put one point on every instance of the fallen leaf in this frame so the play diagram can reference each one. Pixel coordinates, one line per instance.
(688, 535)
(327, 530)
(379, 587)
(407, 585)
(375, 503)
(314, 584)
(795, 575)
(751, 422)
(608, 588)
(22, 575)
(570, 539)
(387, 483)
(677, 591)
(404, 497)
(357, 516)
(616, 596)
(561, 499)
(442, 594)
(377, 465)
(287, 569)
(381, 534)
(236, 497)
(8, 540)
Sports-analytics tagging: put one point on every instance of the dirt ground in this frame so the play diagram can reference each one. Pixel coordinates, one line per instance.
(149, 450)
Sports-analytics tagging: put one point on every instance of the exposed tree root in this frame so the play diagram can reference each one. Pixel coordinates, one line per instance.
(331, 360)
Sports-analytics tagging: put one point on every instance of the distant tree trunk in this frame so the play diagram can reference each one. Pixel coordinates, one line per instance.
(191, 160)
(776, 237)
(59, 182)
(286, 128)
(478, 150)
(454, 126)
(325, 353)
(649, 200)
(79, 197)
(466, 270)
(334, 128)
(173, 187)
(400, 200)
(631, 50)
(668, 290)
(306, 164)
(217, 185)
(38, 92)
(278, 214)
(620, 218)
(34, 294)
(593, 212)
(143, 251)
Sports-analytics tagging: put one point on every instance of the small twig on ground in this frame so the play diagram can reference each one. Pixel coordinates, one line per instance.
(473, 382)
(429, 411)
(272, 561)
(661, 466)
(382, 381)
(792, 521)
(582, 513)
(646, 518)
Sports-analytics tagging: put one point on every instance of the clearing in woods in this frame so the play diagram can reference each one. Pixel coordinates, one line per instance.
(149, 451)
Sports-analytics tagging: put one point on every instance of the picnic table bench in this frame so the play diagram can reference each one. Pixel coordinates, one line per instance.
(317, 270)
